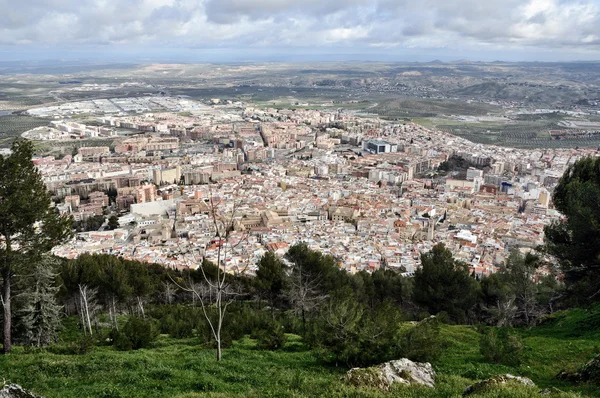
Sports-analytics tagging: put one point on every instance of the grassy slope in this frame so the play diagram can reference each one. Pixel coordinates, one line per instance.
(184, 369)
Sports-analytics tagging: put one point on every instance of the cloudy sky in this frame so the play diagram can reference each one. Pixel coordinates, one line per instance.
(195, 30)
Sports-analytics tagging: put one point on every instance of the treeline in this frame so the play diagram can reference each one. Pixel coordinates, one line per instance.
(348, 318)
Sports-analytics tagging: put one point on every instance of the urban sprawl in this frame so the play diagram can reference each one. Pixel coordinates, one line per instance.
(367, 191)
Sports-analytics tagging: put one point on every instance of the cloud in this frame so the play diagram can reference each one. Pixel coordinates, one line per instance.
(568, 25)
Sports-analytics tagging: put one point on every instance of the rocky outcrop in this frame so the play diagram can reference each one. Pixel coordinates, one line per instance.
(16, 391)
(382, 377)
(588, 373)
(496, 380)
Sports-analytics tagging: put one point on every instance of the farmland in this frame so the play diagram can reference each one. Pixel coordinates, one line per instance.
(11, 127)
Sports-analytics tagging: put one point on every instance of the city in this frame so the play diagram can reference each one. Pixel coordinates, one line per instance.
(367, 191)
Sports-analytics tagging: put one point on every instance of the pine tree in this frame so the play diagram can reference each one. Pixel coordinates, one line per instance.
(29, 226)
(40, 317)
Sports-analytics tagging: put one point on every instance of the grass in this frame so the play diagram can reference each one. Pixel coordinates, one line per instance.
(183, 368)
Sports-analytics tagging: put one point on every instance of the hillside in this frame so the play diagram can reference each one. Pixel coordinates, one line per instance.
(184, 368)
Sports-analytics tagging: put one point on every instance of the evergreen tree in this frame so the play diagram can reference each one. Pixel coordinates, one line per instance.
(271, 278)
(113, 222)
(29, 226)
(40, 317)
(575, 239)
(444, 284)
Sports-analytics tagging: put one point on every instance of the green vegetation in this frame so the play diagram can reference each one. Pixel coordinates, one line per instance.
(11, 127)
(417, 107)
(185, 368)
(29, 226)
(574, 241)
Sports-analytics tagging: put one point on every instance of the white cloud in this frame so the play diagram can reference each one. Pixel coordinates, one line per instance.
(357, 24)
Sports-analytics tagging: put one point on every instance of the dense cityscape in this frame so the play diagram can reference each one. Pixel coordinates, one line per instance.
(368, 191)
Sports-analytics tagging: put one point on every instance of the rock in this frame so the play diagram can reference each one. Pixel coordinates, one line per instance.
(493, 381)
(382, 377)
(16, 391)
(588, 373)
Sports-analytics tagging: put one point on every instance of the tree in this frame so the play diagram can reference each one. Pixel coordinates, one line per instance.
(521, 272)
(216, 293)
(80, 278)
(444, 284)
(113, 283)
(271, 278)
(309, 282)
(113, 222)
(89, 224)
(40, 316)
(29, 226)
(142, 283)
(574, 240)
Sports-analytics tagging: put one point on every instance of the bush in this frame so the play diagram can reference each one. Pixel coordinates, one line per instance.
(271, 336)
(178, 321)
(137, 333)
(348, 332)
(78, 347)
(423, 343)
(501, 346)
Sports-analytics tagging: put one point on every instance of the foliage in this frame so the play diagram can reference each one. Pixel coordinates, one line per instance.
(271, 336)
(40, 314)
(575, 239)
(89, 224)
(501, 346)
(183, 368)
(517, 295)
(113, 222)
(29, 226)
(423, 342)
(444, 284)
(271, 278)
(349, 333)
(177, 320)
(137, 333)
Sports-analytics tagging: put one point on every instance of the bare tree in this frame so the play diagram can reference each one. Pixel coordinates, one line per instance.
(305, 293)
(216, 292)
(88, 306)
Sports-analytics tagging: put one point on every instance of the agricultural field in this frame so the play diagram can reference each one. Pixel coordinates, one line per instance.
(518, 131)
(11, 127)
(424, 108)
(518, 134)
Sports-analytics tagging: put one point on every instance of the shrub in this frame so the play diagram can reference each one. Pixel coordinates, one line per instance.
(423, 343)
(271, 336)
(501, 346)
(137, 333)
(348, 332)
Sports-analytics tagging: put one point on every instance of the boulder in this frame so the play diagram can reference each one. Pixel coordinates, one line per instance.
(496, 380)
(382, 377)
(15, 391)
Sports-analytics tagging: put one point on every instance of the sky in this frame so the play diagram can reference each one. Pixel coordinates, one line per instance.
(299, 30)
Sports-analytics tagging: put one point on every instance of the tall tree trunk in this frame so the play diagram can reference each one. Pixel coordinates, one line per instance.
(7, 343)
(114, 306)
(84, 295)
(81, 313)
(141, 305)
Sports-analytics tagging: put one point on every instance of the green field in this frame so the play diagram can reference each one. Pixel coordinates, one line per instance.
(184, 368)
(11, 127)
